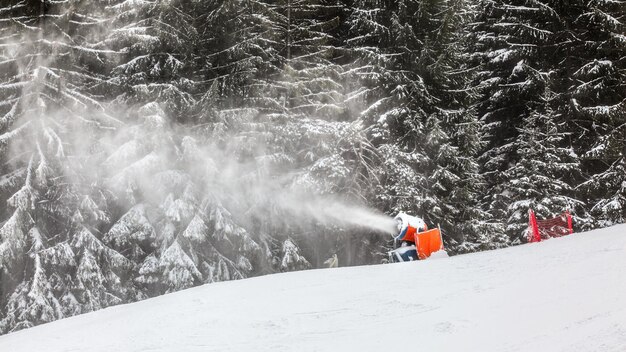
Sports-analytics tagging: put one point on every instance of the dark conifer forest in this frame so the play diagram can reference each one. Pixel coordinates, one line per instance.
(148, 146)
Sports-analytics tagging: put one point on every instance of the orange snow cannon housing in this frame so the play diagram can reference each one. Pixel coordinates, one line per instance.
(428, 242)
(411, 233)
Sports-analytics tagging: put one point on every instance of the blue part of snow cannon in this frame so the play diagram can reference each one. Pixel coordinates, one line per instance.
(404, 254)
(409, 255)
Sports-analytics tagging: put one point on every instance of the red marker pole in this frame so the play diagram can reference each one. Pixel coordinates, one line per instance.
(532, 223)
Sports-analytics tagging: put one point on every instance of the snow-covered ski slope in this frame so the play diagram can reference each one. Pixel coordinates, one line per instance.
(566, 294)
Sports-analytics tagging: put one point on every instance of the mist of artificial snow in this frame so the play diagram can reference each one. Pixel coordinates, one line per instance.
(331, 211)
(127, 151)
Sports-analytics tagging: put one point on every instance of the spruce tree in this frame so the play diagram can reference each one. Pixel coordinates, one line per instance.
(597, 107)
(419, 114)
(517, 52)
(537, 180)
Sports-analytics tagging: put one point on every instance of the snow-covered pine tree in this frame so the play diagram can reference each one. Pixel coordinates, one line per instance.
(292, 259)
(13, 253)
(177, 231)
(33, 301)
(156, 42)
(609, 209)
(410, 57)
(540, 179)
(154, 81)
(137, 174)
(367, 29)
(55, 108)
(132, 235)
(515, 54)
(39, 281)
(310, 82)
(282, 133)
(101, 273)
(380, 39)
(338, 161)
(48, 91)
(238, 50)
(596, 106)
(456, 179)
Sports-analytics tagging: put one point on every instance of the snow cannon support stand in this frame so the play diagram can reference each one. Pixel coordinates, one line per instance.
(414, 240)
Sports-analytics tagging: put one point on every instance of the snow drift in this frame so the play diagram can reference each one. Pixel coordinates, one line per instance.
(565, 294)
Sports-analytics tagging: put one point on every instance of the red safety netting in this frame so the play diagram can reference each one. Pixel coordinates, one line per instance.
(548, 228)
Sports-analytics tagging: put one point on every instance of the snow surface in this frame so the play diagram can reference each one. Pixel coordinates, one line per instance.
(566, 294)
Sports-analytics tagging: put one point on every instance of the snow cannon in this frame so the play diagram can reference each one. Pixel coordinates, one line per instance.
(414, 240)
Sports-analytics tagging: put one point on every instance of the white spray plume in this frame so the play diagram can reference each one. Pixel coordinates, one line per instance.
(331, 211)
(132, 154)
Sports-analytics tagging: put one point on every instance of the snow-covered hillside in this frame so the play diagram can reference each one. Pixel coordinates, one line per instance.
(564, 294)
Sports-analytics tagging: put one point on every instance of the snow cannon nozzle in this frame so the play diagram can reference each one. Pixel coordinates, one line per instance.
(408, 223)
